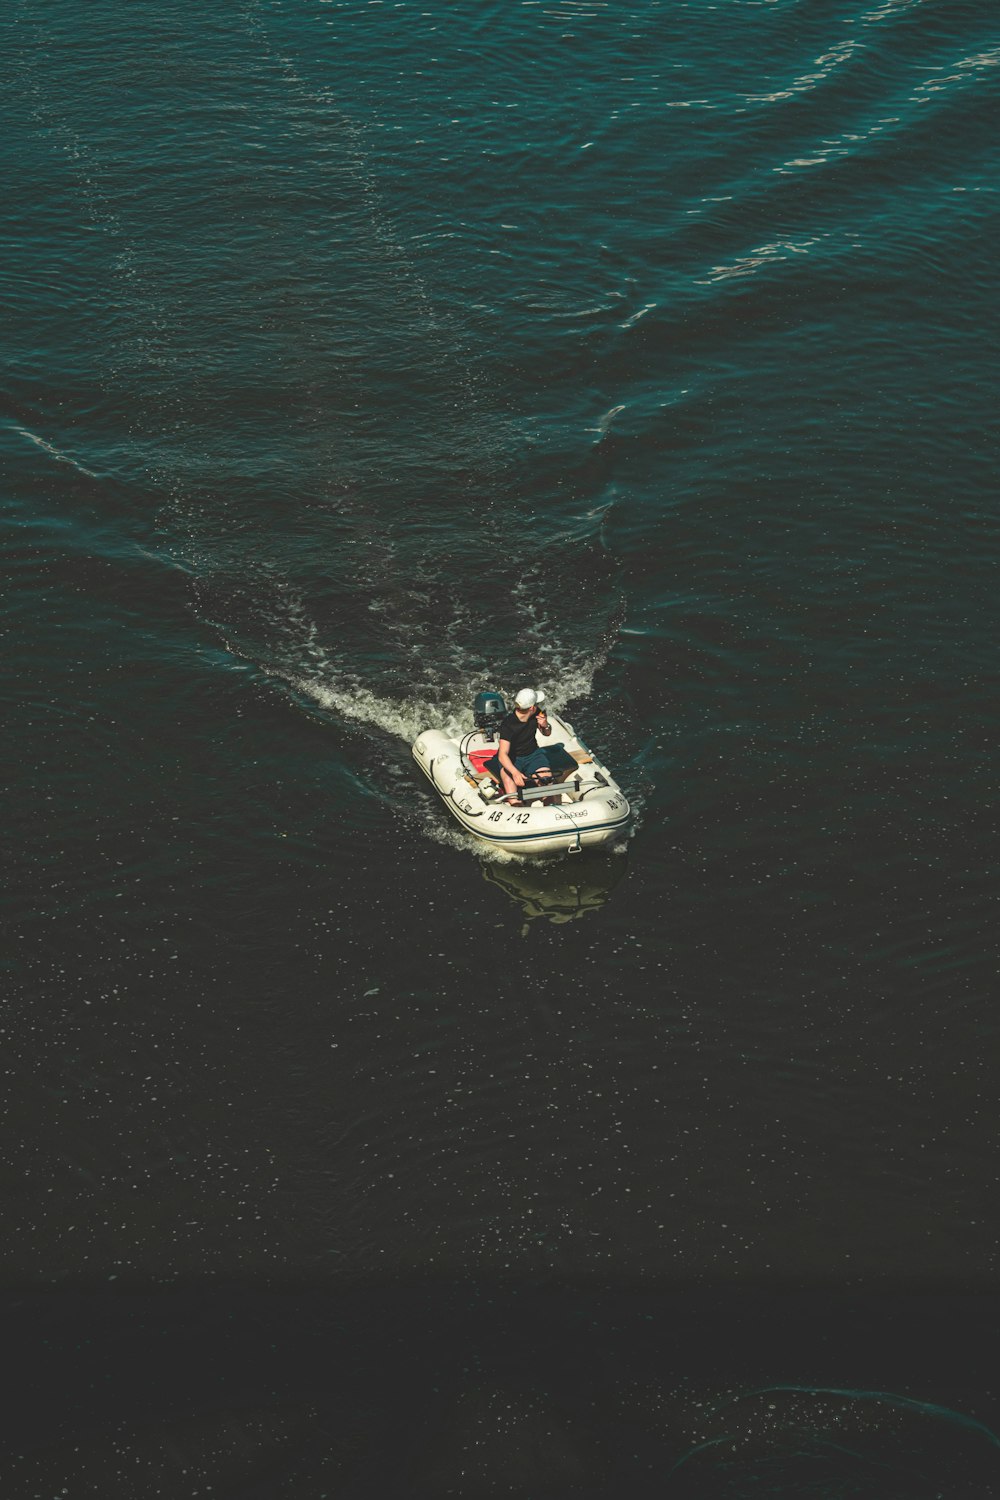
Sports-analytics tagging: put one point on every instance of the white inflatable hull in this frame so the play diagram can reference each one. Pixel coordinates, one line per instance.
(592, 808)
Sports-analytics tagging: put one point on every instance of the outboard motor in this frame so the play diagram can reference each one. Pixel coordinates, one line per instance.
(489, 712)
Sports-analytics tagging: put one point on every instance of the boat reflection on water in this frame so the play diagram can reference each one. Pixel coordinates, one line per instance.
(560, 891)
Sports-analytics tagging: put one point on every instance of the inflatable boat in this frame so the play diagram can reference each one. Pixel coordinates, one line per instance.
(581, 807)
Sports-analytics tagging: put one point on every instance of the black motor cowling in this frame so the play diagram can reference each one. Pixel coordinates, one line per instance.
(488, 712)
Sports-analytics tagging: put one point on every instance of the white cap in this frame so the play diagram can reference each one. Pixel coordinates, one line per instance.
(526, 698)
(539, 699)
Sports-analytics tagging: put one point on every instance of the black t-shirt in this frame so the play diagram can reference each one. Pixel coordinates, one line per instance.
(521, 736)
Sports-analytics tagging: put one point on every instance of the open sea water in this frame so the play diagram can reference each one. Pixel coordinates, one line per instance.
(359, 356)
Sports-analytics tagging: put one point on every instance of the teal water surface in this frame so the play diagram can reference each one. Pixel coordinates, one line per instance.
(357, 357)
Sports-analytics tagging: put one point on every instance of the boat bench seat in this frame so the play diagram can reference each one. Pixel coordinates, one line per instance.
(488, 762)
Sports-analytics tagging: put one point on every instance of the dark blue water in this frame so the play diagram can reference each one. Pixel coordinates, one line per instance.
(357, 357)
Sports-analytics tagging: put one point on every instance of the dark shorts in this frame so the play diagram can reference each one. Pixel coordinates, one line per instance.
(529, 764)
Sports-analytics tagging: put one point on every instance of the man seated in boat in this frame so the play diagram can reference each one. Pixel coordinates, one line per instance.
(520, 757)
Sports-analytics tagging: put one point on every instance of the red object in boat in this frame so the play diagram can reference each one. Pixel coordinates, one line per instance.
(479, 758)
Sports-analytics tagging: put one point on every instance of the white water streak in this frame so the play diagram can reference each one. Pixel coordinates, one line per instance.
(54, 452)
